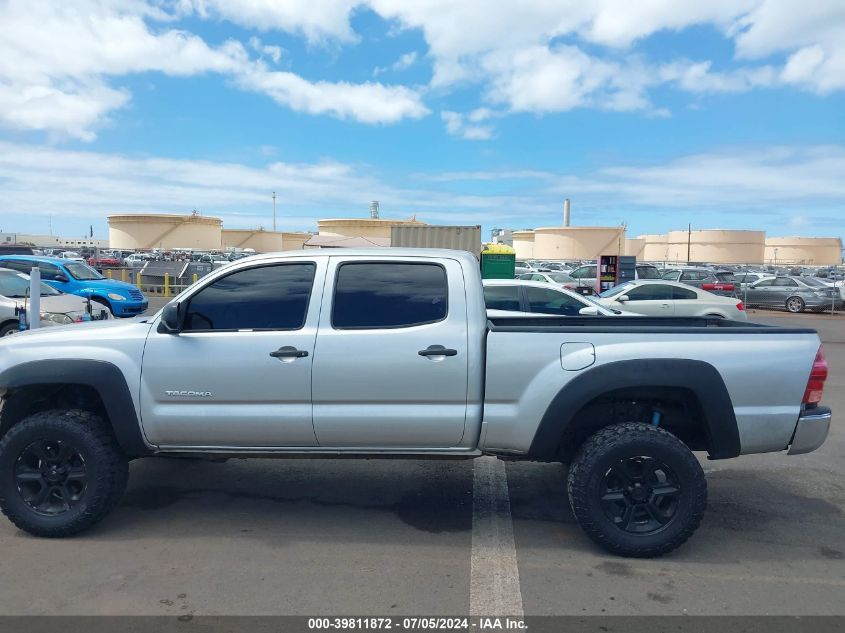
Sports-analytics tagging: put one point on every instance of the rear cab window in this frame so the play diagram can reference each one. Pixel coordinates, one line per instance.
(387, 295)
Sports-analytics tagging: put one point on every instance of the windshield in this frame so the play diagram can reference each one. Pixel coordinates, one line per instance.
(16, 286)
(82, 272)
(616, 290)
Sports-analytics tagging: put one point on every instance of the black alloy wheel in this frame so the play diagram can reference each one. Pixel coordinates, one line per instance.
(51, 476)
(640, 495)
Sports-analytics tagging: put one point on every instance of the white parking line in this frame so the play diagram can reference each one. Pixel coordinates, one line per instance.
(494, 575)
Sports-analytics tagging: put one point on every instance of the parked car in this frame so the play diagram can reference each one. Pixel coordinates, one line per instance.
(15, 249)
(136, 260)
(520, 296)
(56, 308)
(77, 278)
(72, 256)
(671, 298)
(104, 261)
(747, 278)
(391, 353)
(700, 278)
(555, 278)
(792, 293)
(586, 275)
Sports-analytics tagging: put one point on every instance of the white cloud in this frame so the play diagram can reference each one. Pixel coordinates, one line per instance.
(317, 20)
(56, 60)
(403, 63)
(457, 125)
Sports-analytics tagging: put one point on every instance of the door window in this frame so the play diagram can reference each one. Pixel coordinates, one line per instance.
(262, 298)
(389, 295)
(651, 292)
(502, 297)
(786, 282)
(552, 302)
(765, 283)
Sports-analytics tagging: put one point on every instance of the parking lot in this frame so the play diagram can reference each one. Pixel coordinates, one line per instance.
(391, 537)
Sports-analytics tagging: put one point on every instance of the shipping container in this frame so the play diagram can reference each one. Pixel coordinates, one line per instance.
(461, 238)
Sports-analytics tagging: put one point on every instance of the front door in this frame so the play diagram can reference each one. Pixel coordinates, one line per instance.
(390, 365)
(239, 374)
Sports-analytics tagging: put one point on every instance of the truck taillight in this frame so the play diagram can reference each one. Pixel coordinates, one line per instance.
(740, 306)
(815, 385)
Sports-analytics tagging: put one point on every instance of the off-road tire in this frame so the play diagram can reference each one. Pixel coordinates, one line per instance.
(106, 469)
(595, 459)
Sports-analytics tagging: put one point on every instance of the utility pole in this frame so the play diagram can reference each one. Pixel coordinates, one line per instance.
(274, 211)
(689, 242)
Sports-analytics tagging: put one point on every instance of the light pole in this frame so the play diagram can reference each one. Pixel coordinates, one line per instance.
(274, 212)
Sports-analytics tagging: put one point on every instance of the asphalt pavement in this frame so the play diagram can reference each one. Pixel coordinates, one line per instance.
(390, 537)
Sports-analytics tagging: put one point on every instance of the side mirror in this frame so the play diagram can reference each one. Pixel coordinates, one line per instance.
(171, 319)
(589, 311)
(60, 278)
(622, 299)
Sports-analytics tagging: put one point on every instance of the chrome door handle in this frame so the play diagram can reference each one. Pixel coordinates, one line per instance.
(437, 350)
(289, 351)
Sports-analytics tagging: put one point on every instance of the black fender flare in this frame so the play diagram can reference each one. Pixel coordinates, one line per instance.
(700, 377)
(104, 377)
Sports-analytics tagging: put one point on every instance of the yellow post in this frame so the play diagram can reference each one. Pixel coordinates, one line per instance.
(166, 284)
(195, 278)
(122, 274)
(108, 274)
(138, 279)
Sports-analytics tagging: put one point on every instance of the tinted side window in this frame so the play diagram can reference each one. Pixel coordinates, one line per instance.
(647, 272)
(23, 267)
(551, 302)
(502, 297)
(650, 292)
(783, 281)
(765, 283)
(49, 271)
(389, 295)
(683, 293)
(268, 297)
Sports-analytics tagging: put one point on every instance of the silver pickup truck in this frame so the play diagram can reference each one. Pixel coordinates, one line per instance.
(389, 352)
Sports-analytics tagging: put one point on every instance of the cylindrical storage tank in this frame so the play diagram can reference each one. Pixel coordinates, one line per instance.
(816, 251)
(523, 244)
(164, 231)
(655, 247)
(634, 247)
(578, 242)
(362, 227)
(716, 246)
(262, 241)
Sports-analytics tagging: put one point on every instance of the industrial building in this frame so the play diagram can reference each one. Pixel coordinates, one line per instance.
(716, 246)
(52, 241)
(578, 242)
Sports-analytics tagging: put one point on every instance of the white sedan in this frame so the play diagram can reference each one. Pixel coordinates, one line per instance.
(653, 297)
(512, 297)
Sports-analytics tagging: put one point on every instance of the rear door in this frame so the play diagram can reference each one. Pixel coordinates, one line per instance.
(686, 301)
(391, 362)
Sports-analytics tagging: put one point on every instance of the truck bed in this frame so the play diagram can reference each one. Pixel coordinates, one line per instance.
(634, 324)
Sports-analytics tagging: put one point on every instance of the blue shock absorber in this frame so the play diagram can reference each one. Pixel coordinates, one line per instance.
(655, 418)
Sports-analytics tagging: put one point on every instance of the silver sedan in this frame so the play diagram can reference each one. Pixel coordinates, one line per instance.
(793, 293)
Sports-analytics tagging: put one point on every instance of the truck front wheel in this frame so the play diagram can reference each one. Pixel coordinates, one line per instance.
(60, 472)
(637, 490)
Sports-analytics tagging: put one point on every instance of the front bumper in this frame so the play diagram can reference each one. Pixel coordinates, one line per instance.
(126, 309)
(811, 431)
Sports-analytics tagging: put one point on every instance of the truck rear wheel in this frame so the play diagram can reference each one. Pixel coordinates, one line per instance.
(60, 472)
(637, 490)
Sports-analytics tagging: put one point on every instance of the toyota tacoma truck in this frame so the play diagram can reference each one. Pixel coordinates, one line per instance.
(389, 352)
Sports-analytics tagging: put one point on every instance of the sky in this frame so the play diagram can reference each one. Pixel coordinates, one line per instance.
(656, 113)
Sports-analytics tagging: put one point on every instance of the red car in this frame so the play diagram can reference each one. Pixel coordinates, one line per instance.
(104, 262)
